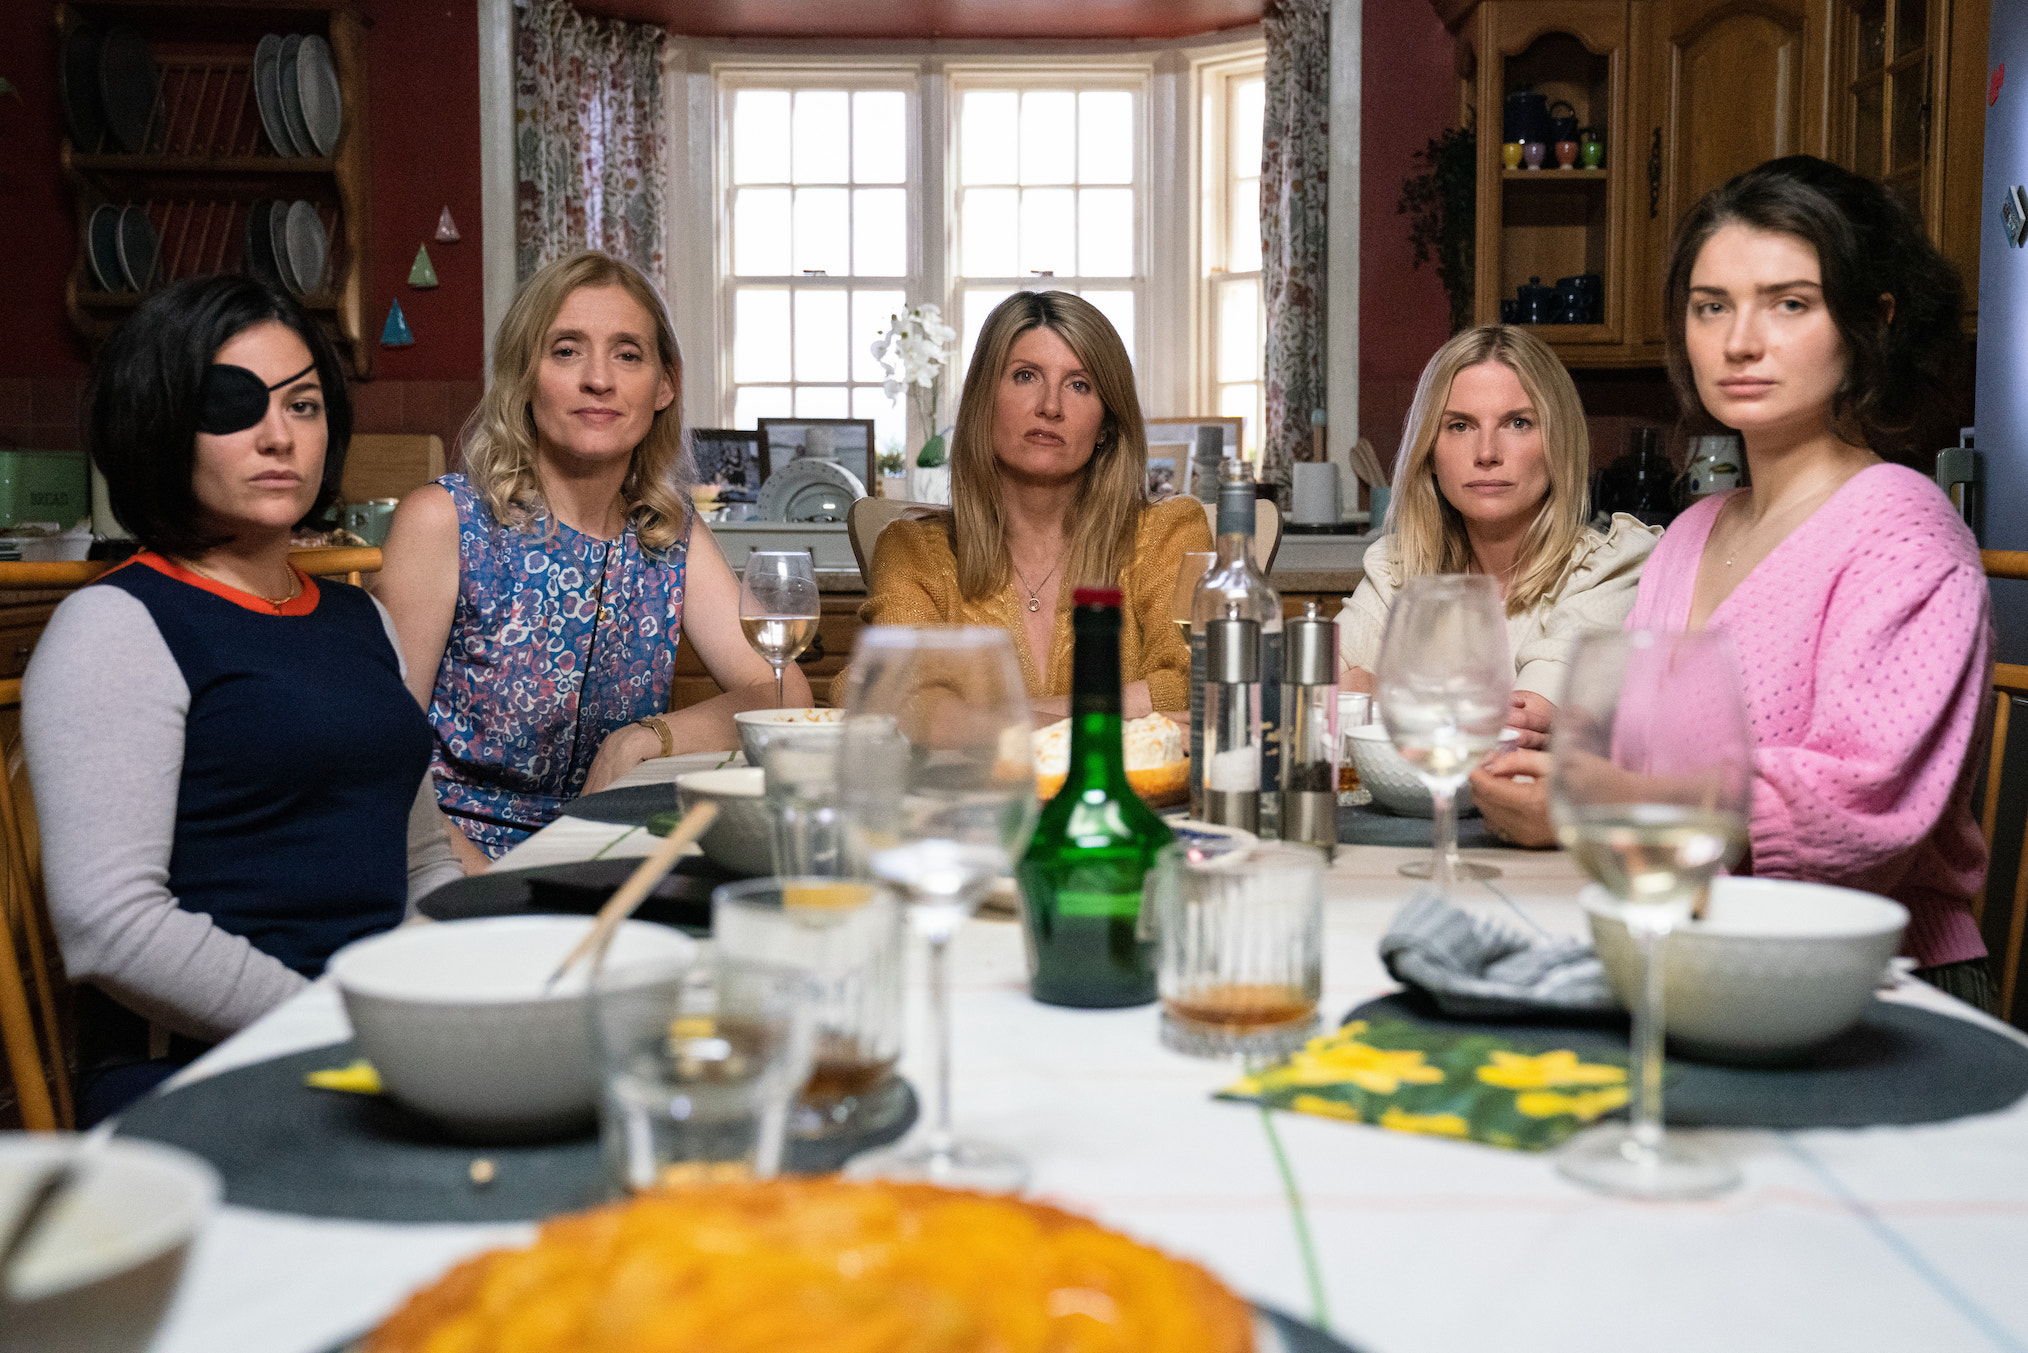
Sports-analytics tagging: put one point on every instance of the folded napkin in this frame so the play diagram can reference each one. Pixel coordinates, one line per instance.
(1411, 1078)
(1475, 967)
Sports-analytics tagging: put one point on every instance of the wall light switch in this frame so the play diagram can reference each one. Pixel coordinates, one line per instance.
(2014, 215)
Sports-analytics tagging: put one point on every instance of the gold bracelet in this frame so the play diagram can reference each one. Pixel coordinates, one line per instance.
(661, 727)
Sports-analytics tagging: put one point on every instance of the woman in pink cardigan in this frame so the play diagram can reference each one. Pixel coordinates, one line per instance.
(1820, 324)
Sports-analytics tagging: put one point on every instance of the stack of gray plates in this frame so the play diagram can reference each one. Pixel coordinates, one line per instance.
(296, 88)
(286, 245)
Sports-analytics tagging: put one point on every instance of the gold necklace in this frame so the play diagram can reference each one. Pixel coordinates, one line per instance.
(1034, 593)
(295, 584)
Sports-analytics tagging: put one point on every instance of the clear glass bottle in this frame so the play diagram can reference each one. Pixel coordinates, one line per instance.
(1234, 579)
(1309, 783)
(1232, 772)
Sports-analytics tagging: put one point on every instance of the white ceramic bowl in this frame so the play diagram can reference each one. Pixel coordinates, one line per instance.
(756, 726)
(103, 1268)
(1393, 782)
(1774, 969)
(455, 1018)
(740, 838)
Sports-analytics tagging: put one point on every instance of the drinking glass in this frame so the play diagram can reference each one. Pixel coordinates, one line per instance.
(943, 775)
(806, 808)
(1444, 681)
(778, 607)
(699, 1062)
(846, 938)
(1196, 563)
(1241, 947)
(1651, 780)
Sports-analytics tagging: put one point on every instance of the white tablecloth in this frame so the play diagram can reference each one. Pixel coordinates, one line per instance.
(1886, 1238)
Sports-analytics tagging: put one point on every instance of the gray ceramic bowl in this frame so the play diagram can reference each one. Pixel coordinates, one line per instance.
(1392, 781)
(756, 726)
(1773, 970)
(740, 839)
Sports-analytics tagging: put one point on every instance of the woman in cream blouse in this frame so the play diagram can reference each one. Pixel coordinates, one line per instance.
(1491, 479)
(1049, 472)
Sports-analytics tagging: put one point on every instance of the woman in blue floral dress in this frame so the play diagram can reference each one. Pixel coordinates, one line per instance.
(540, 594)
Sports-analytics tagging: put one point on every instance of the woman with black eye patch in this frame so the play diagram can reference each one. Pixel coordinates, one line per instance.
(229, 773)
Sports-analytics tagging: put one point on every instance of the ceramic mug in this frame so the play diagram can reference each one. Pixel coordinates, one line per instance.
(1510, 154)
(1532, 153)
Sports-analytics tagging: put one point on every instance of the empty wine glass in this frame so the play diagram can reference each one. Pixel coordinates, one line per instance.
(1444, 681)
(938, 741)
(778, 607)
(1650, 784)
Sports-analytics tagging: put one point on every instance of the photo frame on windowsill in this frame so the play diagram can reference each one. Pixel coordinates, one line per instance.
(1177, 438)
(848, 441)
(730, 457)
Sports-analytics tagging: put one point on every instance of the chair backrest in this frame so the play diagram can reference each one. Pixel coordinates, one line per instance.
(2010, 683)
(384, 465)
(1267, 530)
(865, 520)
(318, 563)
(31, 975)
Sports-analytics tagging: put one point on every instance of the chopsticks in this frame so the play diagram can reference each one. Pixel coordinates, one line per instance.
(44, 1193)
(621, 904)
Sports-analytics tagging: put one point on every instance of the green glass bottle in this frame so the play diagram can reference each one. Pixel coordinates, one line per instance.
(1081, 877)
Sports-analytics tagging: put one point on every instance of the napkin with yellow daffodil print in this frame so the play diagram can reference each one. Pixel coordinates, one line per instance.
(1416, 1079)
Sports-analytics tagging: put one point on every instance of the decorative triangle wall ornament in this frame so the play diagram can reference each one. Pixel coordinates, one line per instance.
(396, 333)
(421, 275)
(447, 229)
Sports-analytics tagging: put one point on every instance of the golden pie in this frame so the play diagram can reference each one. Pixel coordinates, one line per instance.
(822, 1265)
(1158, 762)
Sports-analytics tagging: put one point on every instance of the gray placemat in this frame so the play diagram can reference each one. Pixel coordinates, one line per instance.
(1371, 825)
(681, 899)
(283, 1147)
(1901, 1064)
(628, 807)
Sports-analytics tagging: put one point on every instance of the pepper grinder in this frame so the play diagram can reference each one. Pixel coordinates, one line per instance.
(1232, 731)
(1310, 732)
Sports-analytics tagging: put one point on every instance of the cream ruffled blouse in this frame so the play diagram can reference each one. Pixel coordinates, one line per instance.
(1596, 594)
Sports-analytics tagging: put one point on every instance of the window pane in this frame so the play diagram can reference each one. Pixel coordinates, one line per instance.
(822, 401)
(1048, 136)
(821, 336)
(1910, 20)
(1242, 239)
(872, 312)
(1237, 401)
(1249, 110)
(1048, 225)
(880, 232)
(760, 232)
(1105, 232)
(1105, 136)
(823, 230)
(760, 334)
(1908, 147)
(890, 418)
(821, 128)
(760, 401)
(979, 303)
(1872, 40)
(1866, 132)
(988, 137)
(1117, 306)
(1238, 337)
(879, 136)
(760, 136)
(989, 232)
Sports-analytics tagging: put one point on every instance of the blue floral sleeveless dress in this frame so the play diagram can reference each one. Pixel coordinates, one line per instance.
(557, 640)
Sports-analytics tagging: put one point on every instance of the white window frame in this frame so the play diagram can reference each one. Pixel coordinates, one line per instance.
(1215, 77)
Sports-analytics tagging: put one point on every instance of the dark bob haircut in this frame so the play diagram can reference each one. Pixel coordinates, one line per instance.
(1900, 372)
(142, 430)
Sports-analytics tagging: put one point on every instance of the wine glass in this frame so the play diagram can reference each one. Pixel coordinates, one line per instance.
(1650, 784)
(1444, 681)
(938, 739)
(778, 607)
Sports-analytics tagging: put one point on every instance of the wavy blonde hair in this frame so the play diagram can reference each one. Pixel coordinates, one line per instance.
(1106, 513)
(500, 440)
(1429, 532)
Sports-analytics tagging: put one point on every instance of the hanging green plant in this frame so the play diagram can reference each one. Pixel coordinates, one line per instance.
(1441, 204)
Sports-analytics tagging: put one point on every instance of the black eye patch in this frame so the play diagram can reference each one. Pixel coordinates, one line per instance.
(233, 399)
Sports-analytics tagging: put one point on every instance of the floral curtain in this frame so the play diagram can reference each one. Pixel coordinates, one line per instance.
(588, 137)
(1295, 146)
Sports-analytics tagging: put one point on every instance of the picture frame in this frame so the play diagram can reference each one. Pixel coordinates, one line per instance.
(1167, 434)
(1161, 478)
(731, 457)
(851, 444)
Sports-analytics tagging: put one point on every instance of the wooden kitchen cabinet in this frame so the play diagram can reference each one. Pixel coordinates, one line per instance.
(837, 628)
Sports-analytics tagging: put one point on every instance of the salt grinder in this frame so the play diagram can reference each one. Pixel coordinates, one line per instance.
(1310, 731)
(1232, 730)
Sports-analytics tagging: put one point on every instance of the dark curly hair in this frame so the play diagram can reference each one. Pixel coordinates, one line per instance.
(142, 427)
(1900, 374)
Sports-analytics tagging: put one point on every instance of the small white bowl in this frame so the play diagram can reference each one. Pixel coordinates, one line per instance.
(455, 1018)
(105, 1265)
(1392, 781)
(741, 838)
(756, 726)
(1774, 968)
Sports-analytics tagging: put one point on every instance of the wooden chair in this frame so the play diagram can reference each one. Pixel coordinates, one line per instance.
(32, 986)
(322, 562)
(2010, 682)
(381, 465)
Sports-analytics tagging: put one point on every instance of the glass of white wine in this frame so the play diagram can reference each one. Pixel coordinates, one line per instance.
(778, 607)
(1651, 783)
(1444, 682)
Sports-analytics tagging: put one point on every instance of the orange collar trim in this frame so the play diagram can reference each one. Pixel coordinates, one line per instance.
(301, 605)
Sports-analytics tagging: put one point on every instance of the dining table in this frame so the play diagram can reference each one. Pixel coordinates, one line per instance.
(1890, 1238)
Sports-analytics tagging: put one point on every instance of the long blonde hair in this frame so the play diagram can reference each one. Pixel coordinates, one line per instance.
(1428, 531)
(499, 438)
(1106, 513)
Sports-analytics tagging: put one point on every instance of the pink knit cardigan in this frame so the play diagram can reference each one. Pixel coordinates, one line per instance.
(1864, 642)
